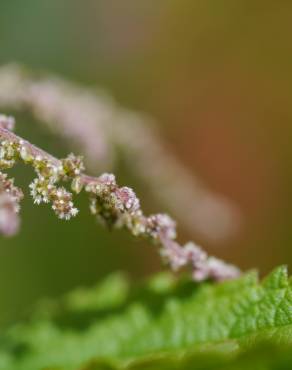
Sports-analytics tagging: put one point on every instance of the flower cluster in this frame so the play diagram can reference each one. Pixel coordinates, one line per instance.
(127, 200)
(161, 225)
(62, 203)
(39, 190)
(7, 122)
(44, 189)
(73, 165)
(203, 267)
(49, 172)
(113, 205)
(7, 154)
(116, 206)
(10, 197)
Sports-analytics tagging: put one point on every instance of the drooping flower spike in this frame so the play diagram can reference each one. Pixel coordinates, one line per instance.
(113, 205)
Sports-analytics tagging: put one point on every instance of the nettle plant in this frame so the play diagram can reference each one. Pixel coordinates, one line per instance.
(214, 318)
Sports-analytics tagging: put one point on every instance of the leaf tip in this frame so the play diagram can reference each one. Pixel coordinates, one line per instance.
(277, 279)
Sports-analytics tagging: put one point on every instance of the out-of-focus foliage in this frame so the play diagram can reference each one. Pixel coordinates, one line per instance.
(262, 357)
(165, 323)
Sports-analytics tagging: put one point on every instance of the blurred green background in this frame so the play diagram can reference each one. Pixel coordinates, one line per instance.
(217, 76)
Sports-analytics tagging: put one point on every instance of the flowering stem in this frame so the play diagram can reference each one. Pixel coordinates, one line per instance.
(113, 205)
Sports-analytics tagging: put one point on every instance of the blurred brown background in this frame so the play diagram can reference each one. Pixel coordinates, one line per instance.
(215, 75)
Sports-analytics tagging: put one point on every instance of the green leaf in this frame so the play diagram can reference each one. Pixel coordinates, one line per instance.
(162, 324)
